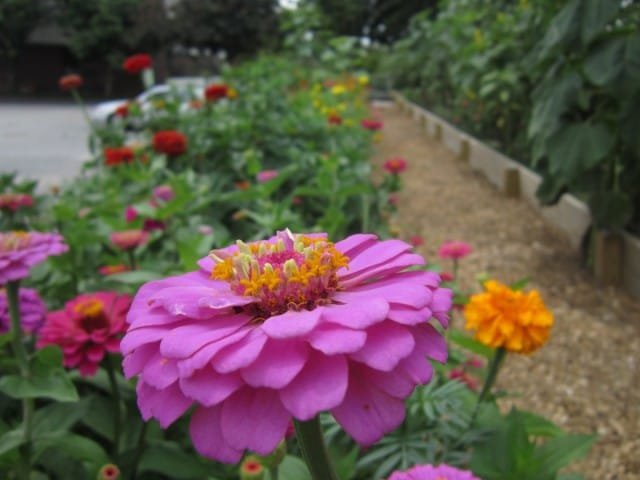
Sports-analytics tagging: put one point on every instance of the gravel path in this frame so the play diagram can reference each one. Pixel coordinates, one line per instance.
(587, 377)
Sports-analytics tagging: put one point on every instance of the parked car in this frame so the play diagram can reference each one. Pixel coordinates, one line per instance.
(105, 113)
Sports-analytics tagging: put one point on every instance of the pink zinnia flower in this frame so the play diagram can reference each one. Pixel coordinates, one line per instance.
(429, 472)
(266, 175)
(395, 165)
(129, 239)
(164, 193)
(454, 250)
(447, 276)
(32, 310)
(130, 214)
(286, 328)
(86, 329)
(19, 251)
(371, 124)
(13, 201)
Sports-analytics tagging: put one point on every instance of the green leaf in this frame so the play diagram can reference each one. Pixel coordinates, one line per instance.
(169, 459)
(597, 14)
(56, 418)
(563, 28)
(55, 385)
(539, 426)
(469, 343)
(520, 284)
(561, 451)
(577, 148)
(605, 63)
(135, 277)
(293, 468)
(76, 446)
(610, 209)
(550, 190)
(11, 439)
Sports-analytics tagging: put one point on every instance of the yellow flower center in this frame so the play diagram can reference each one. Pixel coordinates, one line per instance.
(12, 241)
(293, 273)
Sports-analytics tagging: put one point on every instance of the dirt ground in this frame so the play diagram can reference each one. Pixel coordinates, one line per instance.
(586, 379)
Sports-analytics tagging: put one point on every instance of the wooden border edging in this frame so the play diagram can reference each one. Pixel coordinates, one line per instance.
(617, 256)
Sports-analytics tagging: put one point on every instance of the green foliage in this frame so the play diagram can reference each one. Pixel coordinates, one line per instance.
(581, 119)
(18, 18)
(514, 452)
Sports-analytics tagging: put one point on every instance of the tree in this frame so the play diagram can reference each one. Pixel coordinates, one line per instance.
(236, 26)
(382, 20)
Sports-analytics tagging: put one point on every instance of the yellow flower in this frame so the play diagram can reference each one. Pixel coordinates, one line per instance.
(232, 93)
(512, 319)
(338, 89)
(363, 80)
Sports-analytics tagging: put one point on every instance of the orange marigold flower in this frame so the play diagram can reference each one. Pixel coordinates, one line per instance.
(501, 317)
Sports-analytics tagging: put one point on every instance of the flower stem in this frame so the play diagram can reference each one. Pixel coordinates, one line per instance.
(139, 450)
(494, 368)
(115, 391)
(13, 289)
(132, 259)
(273, 473)
(314, 450)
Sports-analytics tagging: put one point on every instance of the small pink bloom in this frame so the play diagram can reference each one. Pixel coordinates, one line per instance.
(32, 310)
(474, 362)
(246, 345)
(266, 175)
(446, 276)
(393, 199)
(464, 377)
(83, 212)
(454, 249)
(395, 165)
(130, 214)
(129, 239)
(430, 472)
(11, 202)
(205, 230)
(371, 124)
(19, 251)
(87, 329)
(164, 193)
(151, 224)
(416, 240)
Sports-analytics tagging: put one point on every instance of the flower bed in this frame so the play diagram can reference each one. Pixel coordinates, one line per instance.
(162, 358)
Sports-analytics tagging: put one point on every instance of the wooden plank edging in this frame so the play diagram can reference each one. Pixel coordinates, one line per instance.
(569, 215)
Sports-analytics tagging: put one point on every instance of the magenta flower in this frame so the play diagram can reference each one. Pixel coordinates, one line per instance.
(454, 250)
(19, 251)
(395, 165)
(32, 310)
(151, 224)
(87, 329)
(13, 201)
(164, 193)
(129, 239)
(429, 472)
(286, 328)
(130, 214)
(266, 175)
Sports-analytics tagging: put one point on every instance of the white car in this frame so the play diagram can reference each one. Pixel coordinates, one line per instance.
(104, 113)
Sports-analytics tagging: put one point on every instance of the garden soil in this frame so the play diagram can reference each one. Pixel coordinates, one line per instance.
(587, 378)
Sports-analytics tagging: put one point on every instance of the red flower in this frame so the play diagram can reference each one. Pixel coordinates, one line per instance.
(151, 224)
(447, 276)
(70, 82)
(395, 165)
(137, 63)
(216, 91)
(129, 239)
(371, 124)
(170, 142)
(112, 269)
(13, 201)
(117, 155)
(416, 240)
(122, 110)
(334, 119)
(86, 329)
(464, 377)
